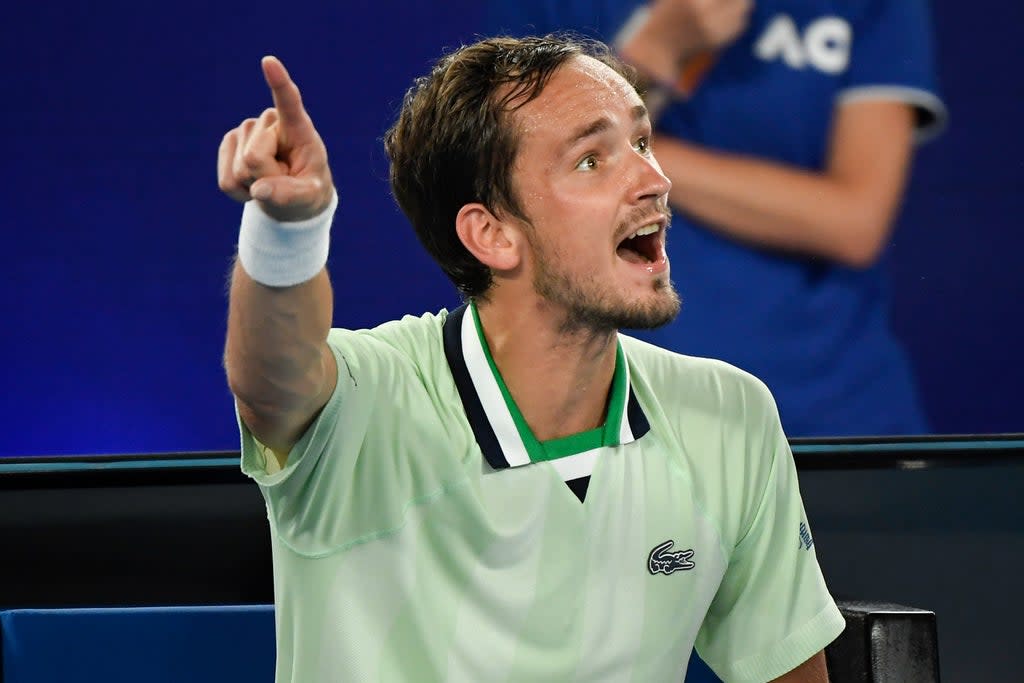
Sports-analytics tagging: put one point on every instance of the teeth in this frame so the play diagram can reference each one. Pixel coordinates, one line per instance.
(646, 230)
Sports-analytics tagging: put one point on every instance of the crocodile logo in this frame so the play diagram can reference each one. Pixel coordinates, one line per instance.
(663, 561)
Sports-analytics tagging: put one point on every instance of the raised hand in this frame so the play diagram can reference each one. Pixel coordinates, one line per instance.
(279, 158)
(700, 25)
(675, 33)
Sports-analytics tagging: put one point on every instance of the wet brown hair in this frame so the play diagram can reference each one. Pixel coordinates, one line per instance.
(454, 142)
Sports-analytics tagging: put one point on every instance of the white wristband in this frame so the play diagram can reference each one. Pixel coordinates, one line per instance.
(282, 254)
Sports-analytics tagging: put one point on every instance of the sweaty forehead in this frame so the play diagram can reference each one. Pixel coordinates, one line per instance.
(581, 87)
(596, 73)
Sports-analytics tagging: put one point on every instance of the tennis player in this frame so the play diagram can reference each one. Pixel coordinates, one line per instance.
(511, 490)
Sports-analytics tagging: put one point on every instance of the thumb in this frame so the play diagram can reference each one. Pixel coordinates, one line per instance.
(287, 198)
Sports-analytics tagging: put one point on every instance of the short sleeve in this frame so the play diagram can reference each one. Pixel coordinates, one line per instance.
(365, 441)
(308, 499)
(893, 58)
(772, 611)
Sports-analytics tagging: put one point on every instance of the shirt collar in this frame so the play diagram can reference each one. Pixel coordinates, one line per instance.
(500, 430)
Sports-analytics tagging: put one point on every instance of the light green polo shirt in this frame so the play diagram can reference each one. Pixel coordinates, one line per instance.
(421, 533)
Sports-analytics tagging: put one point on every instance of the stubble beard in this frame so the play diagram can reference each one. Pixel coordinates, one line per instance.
(593, 308)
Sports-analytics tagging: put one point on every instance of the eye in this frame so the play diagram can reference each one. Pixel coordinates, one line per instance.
(587, 163)
(643, 145)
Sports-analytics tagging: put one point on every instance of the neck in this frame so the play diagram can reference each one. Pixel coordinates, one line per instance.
(559, 377)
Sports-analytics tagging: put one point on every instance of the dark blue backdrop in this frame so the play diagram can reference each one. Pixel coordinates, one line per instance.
(119, 242)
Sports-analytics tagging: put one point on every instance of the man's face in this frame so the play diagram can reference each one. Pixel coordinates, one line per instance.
(587, 181)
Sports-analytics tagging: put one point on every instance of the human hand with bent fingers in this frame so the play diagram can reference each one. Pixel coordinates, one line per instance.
(673, 32)
(703, 24)
(279, 158)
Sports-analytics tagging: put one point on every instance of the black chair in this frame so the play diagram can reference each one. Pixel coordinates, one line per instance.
(884, 643)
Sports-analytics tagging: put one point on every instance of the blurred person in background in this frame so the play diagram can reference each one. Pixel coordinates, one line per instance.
(787, 128)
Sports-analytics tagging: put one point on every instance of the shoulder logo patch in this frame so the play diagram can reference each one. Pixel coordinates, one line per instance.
(805, 537)
(663, 561)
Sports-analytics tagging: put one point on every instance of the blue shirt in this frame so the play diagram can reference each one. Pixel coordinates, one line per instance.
(815, 331)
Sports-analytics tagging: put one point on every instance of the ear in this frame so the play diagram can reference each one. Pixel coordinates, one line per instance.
(494, 242)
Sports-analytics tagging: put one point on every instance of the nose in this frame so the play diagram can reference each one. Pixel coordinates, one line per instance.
(650, 181)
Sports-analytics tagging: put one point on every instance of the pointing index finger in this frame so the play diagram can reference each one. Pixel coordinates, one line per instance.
(287, 99)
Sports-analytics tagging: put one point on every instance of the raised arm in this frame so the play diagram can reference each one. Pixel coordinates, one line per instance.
(843, 213)
(278, 364)
(667, 37)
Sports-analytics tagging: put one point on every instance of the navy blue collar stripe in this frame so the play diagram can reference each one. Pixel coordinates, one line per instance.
(470, 401)
(638, 423)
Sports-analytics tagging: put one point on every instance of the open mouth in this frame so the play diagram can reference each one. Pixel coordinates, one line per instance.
(643, 246)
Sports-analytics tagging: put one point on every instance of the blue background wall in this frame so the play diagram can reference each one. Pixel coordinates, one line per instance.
(118, 242)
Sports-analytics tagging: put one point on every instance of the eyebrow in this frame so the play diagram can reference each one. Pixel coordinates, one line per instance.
(600, 125)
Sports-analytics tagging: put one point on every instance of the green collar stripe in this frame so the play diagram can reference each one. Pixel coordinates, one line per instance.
(571, 445)
(616, 400)
(607, 435)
